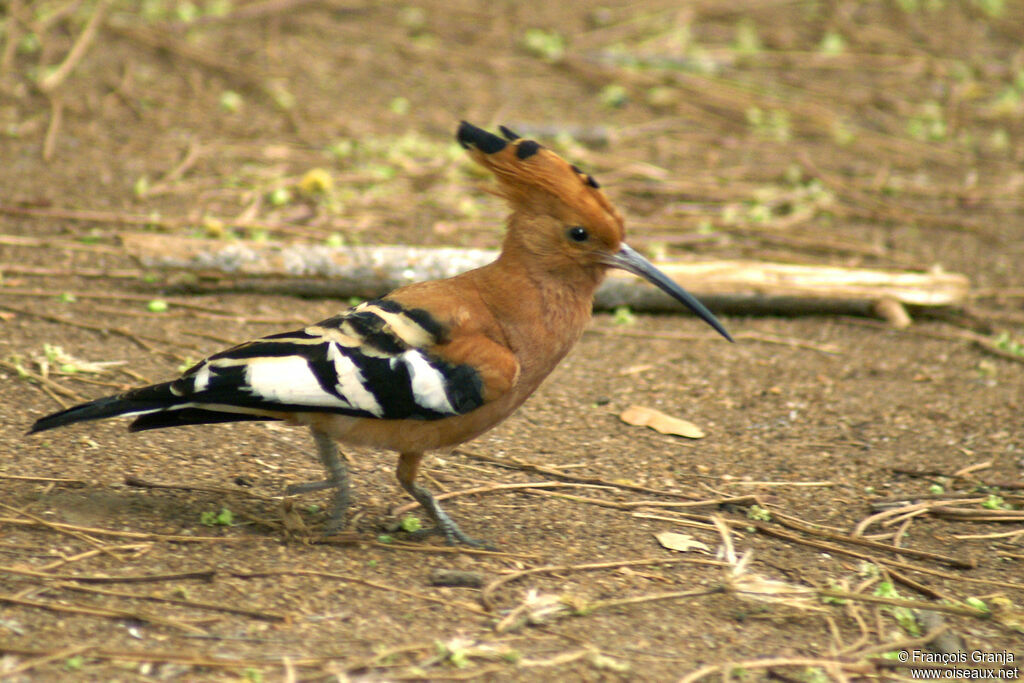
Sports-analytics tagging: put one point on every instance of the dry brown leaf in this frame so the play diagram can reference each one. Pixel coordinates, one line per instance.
(642, 416)
(683, 543)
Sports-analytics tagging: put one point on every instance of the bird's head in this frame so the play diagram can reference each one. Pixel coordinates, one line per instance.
(561, 220)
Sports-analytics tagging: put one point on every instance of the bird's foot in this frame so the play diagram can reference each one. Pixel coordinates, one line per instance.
(453, 535)
(339, 501)
(337, 479)
(408, 464)
(443, 524)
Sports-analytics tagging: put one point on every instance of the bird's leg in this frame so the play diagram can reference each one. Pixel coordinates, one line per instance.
(337, 479)
(408, 466)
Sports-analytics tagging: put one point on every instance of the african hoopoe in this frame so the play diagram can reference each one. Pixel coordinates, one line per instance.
(430, 365)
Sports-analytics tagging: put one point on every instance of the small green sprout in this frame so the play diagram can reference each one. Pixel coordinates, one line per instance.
(614, 96)
(887, 589)
(411, 523)
(279, 196)
(832, 44)
(936, 489)
(230, 101)
(157, 306)
(459, 659)
(186, 11)
(74, 663)
(67, 298)
(385, 538)
(758, 514)
(1005, 342)
(623, 316)
(994, 502)
(399, 105)
(903, 615)
(977, 603)
(16, 361)
(222, 518)
(141, 187)
(746, 40)
(548, 45)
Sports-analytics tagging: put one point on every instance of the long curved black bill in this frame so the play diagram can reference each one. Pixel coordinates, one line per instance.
(630, 260)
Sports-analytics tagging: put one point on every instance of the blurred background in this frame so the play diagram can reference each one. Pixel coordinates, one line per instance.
(882, 133)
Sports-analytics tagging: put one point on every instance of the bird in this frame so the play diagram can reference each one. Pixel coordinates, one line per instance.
(432, 364)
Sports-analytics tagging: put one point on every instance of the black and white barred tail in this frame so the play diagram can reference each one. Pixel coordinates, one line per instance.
(373, 361)
(154, 407)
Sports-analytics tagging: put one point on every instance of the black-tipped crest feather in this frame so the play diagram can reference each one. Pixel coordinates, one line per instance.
(469, 135)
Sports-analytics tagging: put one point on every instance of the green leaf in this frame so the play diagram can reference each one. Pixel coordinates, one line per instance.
(548, 45)
(623, 316)
(411, 523)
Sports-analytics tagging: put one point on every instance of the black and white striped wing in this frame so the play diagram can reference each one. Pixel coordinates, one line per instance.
(372, 361)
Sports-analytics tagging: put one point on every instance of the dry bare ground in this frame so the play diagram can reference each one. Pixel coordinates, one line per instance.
(857, 496)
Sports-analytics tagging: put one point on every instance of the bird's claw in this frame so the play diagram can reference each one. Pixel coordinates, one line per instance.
(453, 535)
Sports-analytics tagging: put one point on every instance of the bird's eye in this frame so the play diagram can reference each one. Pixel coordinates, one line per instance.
(578, 233)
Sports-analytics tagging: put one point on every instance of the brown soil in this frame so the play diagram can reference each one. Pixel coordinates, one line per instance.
(903, 149)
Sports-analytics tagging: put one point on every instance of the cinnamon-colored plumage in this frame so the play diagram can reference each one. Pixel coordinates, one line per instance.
(430, 365)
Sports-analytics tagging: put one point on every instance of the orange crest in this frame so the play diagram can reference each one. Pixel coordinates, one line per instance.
(527, 172)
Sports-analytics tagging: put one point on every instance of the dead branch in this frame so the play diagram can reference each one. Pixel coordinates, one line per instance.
(741, 287)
